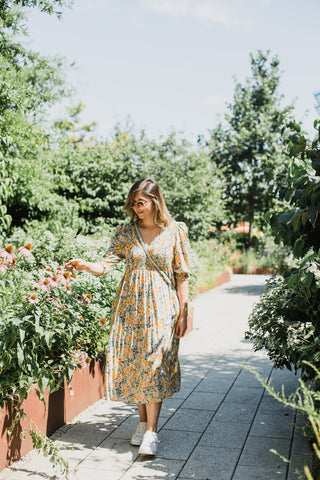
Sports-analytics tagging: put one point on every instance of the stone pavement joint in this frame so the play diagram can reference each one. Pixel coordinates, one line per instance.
(220, 426)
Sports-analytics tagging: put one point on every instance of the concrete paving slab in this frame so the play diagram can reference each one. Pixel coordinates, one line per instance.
(300, 443)
(236, 413)
(284, 377)
(270, 405)
(247, 379)
(275, 426)
(113, 455)
(155, 469)
(225, 434)
(257, 453)
(88, 473)
(189, 420)
(244, 395)
(260, 473)
(217, 382)
(176, 444)
(297, 465)
(203, 401)
(211, 463)
(170, 405)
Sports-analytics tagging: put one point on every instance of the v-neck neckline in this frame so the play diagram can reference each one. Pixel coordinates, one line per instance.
(148, 244)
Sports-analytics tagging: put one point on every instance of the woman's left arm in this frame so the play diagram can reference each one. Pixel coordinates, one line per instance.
(182, 290)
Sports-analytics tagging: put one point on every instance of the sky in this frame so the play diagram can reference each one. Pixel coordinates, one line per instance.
(172, 64)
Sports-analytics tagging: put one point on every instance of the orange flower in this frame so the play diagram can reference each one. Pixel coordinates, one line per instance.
(66, 275)
(103, 321)
(9, 248)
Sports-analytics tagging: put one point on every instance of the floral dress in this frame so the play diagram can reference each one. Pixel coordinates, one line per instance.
(142, 355)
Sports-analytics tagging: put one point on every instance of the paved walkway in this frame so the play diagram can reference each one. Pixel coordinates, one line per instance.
(220, 426)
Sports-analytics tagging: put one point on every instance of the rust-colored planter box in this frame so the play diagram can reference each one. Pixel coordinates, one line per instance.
(87, 386)
(254, 270)
(224, 277)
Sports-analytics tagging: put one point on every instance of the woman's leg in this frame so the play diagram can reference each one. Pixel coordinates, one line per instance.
(142, 412)
(153, 412)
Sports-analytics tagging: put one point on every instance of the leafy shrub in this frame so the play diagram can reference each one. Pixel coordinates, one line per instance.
(51, 321)
(285, 323)
(286, 320)
(211, 260)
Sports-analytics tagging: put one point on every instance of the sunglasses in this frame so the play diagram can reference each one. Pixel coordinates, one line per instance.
(140, 203)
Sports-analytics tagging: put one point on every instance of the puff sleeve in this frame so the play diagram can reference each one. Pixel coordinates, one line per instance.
(115, 252)
(181, 257)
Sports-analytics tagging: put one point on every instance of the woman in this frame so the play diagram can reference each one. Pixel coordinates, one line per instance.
(149, 313)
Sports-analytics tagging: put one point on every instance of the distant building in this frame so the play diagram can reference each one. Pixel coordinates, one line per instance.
(317, 97)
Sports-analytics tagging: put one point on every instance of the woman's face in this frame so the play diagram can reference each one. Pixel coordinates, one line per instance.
(142, 205)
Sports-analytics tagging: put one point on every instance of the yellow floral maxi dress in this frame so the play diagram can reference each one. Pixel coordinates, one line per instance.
(142, 355)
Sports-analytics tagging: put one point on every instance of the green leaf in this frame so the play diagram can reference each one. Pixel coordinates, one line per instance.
(22, 335)
(294, 277)
(20, 355)
(313, 212)
(298, 247)
(307, 280)
(22, 393)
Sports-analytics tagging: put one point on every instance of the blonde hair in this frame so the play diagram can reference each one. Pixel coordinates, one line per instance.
(150, 189)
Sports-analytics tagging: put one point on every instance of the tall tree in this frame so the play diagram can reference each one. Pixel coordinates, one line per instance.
(248, 146)
(28, 84)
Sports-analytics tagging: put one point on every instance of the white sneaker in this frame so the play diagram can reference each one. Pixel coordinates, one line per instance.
(137, 437)
(149, 443)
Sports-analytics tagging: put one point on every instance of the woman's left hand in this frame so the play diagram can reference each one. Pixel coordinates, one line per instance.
(181, 327)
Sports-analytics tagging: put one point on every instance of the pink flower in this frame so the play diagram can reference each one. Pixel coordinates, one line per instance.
(55, 300)
(44, 284)
(7, 254)
(54, 281)
(63, 276)
(33, 299)
(3, 267)
(25, 250)
(68, 289)
(70, 390)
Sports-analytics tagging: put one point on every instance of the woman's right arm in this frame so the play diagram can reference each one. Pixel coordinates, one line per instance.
(80, 265)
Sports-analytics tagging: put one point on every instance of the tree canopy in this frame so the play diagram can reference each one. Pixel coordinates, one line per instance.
(248, 146)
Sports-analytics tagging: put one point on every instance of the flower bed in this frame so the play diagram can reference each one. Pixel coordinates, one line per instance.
(86, 387)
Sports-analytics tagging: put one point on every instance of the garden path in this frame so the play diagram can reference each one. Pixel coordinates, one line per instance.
(220, 426)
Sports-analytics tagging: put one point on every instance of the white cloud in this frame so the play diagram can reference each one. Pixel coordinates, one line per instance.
(233, 13)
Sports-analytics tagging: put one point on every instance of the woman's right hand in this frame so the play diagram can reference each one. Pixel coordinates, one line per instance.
(76, 264)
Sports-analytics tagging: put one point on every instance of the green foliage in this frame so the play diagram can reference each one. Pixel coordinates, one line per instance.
(248, 147)
(285, 323)
(95, 177)
(299, 227)
(29, 84)
(286, 320)
(212, 258)
(189, 182)
(50, 321)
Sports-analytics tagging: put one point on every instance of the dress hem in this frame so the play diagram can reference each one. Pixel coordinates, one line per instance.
(116, 398)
